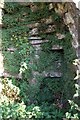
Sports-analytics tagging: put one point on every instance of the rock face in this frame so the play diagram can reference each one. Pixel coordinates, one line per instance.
(71, 16)
(74, 27)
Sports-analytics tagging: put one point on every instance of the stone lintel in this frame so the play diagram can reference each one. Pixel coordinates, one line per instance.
(34, 38)
(36, 42)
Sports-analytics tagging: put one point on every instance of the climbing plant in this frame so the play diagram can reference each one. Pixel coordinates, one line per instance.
(48, 96)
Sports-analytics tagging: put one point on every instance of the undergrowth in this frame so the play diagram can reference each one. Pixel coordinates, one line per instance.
(48, 96)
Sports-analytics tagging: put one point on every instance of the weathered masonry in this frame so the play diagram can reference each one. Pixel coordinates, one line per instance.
(46, 33)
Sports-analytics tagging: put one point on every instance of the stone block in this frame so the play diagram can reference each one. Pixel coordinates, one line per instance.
(8, 75)
(33, 32)
(11, 49)
(52, 74)
(34, 38)
(36, 42)
(33, 25)
(56, 47)
(50, 29)
(48, 20)
(60, 36)
(37, 47)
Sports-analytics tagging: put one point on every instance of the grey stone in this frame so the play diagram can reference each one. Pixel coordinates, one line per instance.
(56, 47)
(34, 38)
(34, 25)
(33, 32)
(8, 75)
(60, 36)
(50, 29)
(36, 42)
(48, 20)
(11, 49)
(52, 74)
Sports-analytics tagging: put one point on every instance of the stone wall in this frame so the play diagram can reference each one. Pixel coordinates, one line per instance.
(36, 40)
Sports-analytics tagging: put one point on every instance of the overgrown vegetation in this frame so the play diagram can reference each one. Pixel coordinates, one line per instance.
(37, 96)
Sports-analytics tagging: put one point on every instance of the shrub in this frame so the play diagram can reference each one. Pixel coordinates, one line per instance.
(10, 105)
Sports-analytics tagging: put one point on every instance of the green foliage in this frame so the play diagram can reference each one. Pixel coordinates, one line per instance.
(11, 7)
(10, 62)
(74, 111)
(44, 112)
(46, 99)
(13, 111)
(10, 107)
(21, 55)
(34, 112)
